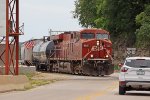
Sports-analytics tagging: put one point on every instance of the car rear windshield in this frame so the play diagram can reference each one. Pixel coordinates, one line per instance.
(138, 63)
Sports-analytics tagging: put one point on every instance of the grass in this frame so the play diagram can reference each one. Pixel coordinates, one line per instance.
(39, 82)
(30, 75)
(36, 82)
(116, 68)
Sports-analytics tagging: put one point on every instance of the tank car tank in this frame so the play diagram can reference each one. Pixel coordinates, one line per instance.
(41, 52)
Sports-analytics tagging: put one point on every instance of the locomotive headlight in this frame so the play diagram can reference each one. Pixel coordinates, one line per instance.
(97, 43)
(107, 56)
(92, 56)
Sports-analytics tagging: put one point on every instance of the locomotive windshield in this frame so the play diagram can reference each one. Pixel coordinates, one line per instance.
(87, 35)
(102, 36)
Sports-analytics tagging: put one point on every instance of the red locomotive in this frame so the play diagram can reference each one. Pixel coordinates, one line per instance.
(87, 52)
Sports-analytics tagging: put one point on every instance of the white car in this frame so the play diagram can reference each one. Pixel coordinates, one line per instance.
(135, 75)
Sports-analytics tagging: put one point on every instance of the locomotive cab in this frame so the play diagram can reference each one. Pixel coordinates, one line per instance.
(97, 50)
(96, 44)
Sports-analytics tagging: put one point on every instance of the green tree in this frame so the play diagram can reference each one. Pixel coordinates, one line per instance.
(90, 13)
(85, 12)
(101, 21)
(121, 16)
(143, 33)
(117, 16)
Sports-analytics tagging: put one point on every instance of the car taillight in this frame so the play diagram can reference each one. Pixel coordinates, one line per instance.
(124, 69)
(121, 83)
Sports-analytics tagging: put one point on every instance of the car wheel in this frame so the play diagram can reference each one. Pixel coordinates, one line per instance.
(122, 90)
(37, 67)
(102, 75)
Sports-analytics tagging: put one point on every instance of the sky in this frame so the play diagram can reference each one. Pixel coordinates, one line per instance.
(39, 16)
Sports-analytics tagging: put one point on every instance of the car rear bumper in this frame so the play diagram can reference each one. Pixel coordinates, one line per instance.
(138, 85)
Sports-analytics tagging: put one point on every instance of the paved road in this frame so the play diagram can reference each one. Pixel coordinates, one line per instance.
(78, 88)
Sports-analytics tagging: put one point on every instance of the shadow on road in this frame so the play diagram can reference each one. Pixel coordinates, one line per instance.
(135, 93)
(138, 94)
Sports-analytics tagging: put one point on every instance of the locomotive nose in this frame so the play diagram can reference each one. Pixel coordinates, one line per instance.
(97, 49)
(104, 48)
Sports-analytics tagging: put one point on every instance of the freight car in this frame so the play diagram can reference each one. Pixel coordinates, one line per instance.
(26, 50)
(87, 52)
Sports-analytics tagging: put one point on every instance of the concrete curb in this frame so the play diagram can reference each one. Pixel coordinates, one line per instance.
(11, 83)
(22, 69)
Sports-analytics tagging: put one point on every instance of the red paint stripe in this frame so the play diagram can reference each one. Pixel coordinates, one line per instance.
(29, 44)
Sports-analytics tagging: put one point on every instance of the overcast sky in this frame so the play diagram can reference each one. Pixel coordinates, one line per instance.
(40, 15)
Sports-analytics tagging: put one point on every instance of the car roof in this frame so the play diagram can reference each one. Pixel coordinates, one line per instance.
(132, 58)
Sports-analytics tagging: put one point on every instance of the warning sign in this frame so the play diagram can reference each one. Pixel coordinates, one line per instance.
(130, 52)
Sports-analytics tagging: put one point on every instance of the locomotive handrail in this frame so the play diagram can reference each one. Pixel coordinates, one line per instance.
(109, 54)
(52, 54)
(57, 32)
(64, 31)
(87, 54)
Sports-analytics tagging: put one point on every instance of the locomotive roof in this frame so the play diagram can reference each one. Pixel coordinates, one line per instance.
(94, 30)
(83, 30)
